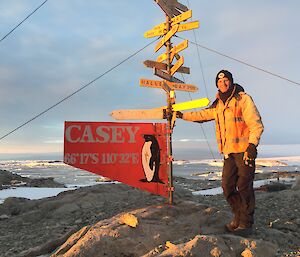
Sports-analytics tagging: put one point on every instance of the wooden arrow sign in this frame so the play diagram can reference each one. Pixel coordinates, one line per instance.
(177, 5)
(155, 32)
(151, 83)
(171, 7)
(166, 37)
(198, 103)
(177, 19)
(176, 49)
(152, 114)
(163, 66)
(177, 65)
(165, 8)
(188, 26)
(171, 85)
(157, 113)
(166, 76)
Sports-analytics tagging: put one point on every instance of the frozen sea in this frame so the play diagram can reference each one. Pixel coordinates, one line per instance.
(208, 169)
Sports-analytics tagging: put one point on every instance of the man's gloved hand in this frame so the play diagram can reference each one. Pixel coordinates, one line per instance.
(251, 151)
(179, 115)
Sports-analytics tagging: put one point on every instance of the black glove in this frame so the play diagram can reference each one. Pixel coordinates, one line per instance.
(251, 151)
(179, 115)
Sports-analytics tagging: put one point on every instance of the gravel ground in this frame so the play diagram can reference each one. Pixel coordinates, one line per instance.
(27, 223)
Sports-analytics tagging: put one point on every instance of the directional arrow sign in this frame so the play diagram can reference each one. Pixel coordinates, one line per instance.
(152, 114)
(151, 83)
(182, 87)
(176, 49)
(177, 19)
(177, 5)
(155, 32)
(188, 26)
(198, 103)
(157, 113)
(182, 17)
(153, 64)
(163, 66)
(166, 76)
(177, 65)
(171, 7)
(166, 37)
(165, 8)
(171, 85)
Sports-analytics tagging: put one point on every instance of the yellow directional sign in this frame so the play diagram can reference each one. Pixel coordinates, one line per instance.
(182, 17)
(155, 32)
(177, 19)
(166, 37)
(171, 85)
(176, 49)
(202, 102)
(177, 65)
(188, 26)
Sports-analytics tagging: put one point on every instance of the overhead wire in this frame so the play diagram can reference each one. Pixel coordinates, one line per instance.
(78, 90)
(243, 62)
(20, 23)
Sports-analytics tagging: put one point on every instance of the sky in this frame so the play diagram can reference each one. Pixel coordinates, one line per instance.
(67, 44)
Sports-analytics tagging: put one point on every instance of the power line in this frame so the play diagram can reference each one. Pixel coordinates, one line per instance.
(78, 90)
(245, 63)
(23, 21)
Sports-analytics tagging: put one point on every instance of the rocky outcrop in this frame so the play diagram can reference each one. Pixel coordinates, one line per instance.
(185, 229)
(8, 179)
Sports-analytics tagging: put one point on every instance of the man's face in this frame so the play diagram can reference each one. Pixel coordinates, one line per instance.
(223, 84)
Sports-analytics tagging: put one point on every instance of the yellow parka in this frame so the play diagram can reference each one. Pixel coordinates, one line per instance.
(238, 122)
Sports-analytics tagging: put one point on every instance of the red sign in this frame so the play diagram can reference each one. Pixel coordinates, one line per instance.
(132, 153)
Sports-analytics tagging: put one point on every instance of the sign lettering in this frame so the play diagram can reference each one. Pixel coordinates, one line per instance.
(188, 26)
(101, 134)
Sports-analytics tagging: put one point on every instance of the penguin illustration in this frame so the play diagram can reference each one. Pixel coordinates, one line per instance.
(151, 159)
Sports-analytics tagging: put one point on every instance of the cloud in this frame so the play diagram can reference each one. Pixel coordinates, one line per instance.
(67, 44)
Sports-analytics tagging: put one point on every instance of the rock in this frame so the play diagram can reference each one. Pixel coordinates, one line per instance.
(8, 179)
(247, 253)
(159, 224)
(4, 217)
(296, 184)
(129, 220)
(215, 252)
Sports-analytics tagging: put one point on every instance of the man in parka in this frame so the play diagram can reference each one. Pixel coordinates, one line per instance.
(238, 131)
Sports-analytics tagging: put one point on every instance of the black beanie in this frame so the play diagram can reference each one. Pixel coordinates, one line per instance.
(224, 73)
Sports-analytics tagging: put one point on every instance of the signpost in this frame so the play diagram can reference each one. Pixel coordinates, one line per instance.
(176, 13)
(140, 154)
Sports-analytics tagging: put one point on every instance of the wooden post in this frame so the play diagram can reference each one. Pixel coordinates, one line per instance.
(170, 101)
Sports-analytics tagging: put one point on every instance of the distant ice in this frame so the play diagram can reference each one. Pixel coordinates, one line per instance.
(256, 184)
(31, 193)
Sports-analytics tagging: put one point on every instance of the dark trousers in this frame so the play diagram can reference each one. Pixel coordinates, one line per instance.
(237, 184)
